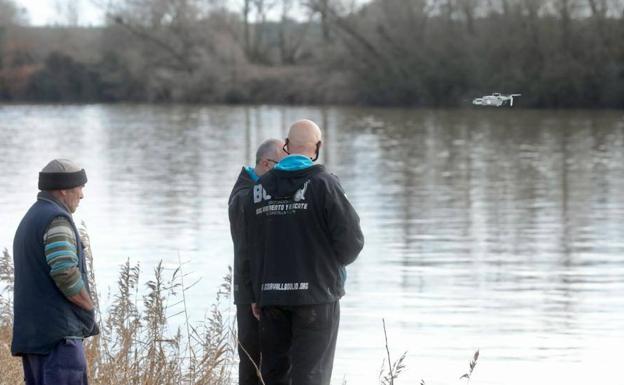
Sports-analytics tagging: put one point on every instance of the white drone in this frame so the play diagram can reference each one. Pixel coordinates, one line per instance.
(495, 100)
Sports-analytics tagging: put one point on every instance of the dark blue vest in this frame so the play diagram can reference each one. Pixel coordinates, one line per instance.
(42, 315)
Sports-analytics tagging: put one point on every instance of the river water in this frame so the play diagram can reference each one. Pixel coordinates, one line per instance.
(498, 230)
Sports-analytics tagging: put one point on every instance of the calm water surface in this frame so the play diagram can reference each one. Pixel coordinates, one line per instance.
(499, 230)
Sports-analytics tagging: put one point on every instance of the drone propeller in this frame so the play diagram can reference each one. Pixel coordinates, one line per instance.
(511, 99)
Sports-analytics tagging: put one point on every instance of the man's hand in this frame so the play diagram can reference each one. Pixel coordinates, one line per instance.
(82, 299)
(255, 309)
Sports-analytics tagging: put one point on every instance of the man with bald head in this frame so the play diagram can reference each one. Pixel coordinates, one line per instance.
(53, 310)
(269, 153)
(304, 232)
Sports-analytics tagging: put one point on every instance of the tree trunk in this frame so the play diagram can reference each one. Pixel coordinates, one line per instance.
(246, 29)
(324, 20)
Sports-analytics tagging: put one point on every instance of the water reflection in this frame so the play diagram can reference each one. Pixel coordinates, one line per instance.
(491, 229)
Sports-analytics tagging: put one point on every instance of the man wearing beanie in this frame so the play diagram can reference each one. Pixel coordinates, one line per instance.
(53, 310)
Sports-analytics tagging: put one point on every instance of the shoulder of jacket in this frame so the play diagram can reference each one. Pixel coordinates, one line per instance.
(327, 177)
(238, 197)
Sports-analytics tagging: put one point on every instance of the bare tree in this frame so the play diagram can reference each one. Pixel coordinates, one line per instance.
(468, 9)
(565, 11)
(10, 13)
(324, 7)
(291, 34)
(246, 26)
(69, 10)
(345, 26)
(168, 28)
(260, 48)
(598, 8)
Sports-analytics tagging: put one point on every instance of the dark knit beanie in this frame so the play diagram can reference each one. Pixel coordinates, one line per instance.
(61, 174)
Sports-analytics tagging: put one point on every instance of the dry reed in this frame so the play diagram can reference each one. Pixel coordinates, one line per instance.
(389, 374)
(11, 367)
(394, 368)
(471, 366)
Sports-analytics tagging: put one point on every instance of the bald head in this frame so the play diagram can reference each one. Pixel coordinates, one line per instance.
(303, 137)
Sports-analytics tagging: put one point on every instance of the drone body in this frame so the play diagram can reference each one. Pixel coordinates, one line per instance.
(495, 100)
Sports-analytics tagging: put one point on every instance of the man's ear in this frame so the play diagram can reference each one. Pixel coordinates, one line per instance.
(285, 147)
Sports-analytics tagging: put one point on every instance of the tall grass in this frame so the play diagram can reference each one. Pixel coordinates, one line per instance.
(137, 343)
(394, 368)
(11, 367)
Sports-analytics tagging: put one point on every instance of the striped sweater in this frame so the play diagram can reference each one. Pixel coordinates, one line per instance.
(61, 255)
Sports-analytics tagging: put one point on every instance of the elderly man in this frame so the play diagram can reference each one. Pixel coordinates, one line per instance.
(304, 232)
(53, 310)
(268, 154)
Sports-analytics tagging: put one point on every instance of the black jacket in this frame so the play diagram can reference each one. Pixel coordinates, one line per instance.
(243, 294)
(304, 232)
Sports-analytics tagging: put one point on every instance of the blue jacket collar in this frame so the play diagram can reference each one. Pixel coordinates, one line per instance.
(252, 173)
(294, 162)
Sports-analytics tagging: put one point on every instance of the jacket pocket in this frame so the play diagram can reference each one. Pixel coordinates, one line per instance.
(87, 322)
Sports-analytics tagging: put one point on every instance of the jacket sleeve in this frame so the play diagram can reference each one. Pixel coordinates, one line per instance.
(343, 223)
(242, 278)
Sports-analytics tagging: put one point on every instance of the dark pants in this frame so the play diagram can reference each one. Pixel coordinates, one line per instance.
(298, 343)
(65, 365)
(249, 337)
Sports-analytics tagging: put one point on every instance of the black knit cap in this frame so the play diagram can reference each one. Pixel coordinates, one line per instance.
(61, 174)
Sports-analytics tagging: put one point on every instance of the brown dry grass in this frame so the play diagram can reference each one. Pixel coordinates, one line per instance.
(11, 367)
(136, 346)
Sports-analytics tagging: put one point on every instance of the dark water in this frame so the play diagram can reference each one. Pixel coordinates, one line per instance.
(492, 229)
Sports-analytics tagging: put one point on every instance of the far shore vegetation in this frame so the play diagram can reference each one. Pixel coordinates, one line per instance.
(429, 53)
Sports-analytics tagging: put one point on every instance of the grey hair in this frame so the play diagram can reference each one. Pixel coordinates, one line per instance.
(267, 149)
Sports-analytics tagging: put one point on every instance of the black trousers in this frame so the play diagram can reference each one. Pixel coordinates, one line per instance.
(298, 343)
(249, 337)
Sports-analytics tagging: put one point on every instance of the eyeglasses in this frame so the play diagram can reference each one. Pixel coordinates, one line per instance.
(318, 148)
(271, 160)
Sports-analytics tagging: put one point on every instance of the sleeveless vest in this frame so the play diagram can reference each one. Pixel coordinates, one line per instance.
(43, 316)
